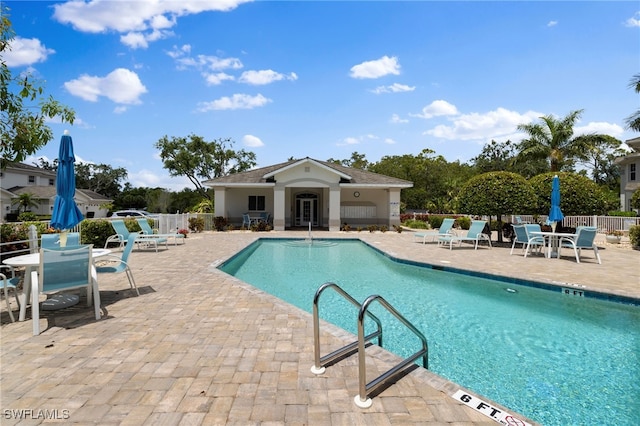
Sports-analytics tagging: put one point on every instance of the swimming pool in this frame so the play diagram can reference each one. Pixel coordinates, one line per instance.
(556, 359)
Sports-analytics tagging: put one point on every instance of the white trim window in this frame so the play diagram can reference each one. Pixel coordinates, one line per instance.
(256, 203)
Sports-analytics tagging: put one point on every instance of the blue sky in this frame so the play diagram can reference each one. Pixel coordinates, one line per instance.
(323, 79)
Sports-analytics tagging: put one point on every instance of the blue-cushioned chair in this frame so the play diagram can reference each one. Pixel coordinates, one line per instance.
(445, 229)
(63, 269)
(584, 240)
(523, 237)
(50, 241)
(122, 236)
(147, 230)
(475, 234)
(9, 283)
(246, 221)
(112, 264)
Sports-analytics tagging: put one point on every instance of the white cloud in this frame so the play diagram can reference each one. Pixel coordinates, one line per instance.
(500, 123)
(375, 69)
(263, 77)
(252, 141)
(552, 23)
(394, 88)
(389, 141)
(143, 21)
(214, 79)
(121, 86)
(237, 101)
(25, 51)
(599, 127)
(436, 109)
(634, 21)
(395, 119)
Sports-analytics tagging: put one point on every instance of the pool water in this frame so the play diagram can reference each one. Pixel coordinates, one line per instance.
(557, 359)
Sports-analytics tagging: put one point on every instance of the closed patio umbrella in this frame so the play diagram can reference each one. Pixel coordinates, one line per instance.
(555, 214)
(65, 214)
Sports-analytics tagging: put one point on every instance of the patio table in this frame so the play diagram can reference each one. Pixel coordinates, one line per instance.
(553, 240)
(30, 262)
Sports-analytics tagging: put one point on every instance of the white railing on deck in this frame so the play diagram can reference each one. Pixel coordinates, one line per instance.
(603, 223)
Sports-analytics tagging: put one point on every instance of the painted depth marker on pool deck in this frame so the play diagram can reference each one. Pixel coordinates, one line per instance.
(489, 410)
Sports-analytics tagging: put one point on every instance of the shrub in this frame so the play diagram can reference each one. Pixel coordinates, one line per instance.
(463, 222)
(184, 232)
(579, 194)
(435, 221)
(27, 217)
(384, 228)
(196, 224)
(622, 213)
(96, 232)
(416, 224)
(372, 228)
(398, 228)
(634, 235)
(220, 223)
(346, 228)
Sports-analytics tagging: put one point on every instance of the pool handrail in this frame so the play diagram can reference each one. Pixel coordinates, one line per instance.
(320, 362)
(362, 400)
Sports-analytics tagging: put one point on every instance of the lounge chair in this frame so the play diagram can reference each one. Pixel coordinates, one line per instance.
(445, 229)
(523, 237)
(117, 264)
(475, 234)
(584, 240)
(62, 269)
(122, 235)
(147, 230)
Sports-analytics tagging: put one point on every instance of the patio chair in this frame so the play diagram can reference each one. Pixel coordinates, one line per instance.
(63, 269)
(522, 237)
(445, 229)
(246, 221)
(10, 283)
(118, 264)
(584, 240)
(475, 235)
(50, 241)
(147, 230)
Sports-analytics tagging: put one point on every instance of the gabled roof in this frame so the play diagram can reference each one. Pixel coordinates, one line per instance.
(26, 168)
(350, 176)
(43, 192)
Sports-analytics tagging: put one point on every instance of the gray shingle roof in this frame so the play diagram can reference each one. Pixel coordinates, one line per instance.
(358, 177)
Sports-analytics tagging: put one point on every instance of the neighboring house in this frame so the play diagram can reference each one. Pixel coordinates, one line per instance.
(629, 173)
(19, 178)
(307, 191)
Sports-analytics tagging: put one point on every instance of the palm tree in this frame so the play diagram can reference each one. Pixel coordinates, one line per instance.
(552, 139)
(26, 200)
(633, 121)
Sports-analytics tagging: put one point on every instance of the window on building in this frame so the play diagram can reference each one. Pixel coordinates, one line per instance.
(51, 182)
(32, 179)
(256, 202)
(632, 171)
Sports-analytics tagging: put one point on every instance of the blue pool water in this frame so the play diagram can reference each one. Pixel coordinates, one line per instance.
(557, 359)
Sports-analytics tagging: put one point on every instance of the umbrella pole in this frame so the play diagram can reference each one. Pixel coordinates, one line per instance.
(63, 238)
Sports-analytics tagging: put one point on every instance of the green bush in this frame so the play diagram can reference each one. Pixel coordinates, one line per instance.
(96, 232)
(622, 213)
(435, 221)
(196, 224)
(220, 223)
(463, 222)
(372, 228)
(398, 228)
(634, 235)
(416, 224)
(384, 228)
(27, 217)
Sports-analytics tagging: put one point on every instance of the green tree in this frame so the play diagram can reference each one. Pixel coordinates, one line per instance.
(633, 121)
(24, 108)
(26, 200)
(187, 200)
(598, 155)
(198, 159)
(501, 156)
(635, 199)
(100, 178)
(552, 140)
(496, 194)
(357, 161)
(579, 195)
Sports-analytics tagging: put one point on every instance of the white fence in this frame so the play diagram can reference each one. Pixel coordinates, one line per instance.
(603, 223)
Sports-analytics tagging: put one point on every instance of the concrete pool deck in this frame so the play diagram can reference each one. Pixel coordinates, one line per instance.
(201, 347)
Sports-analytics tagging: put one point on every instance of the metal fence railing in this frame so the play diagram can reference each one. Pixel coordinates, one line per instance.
(603, 223)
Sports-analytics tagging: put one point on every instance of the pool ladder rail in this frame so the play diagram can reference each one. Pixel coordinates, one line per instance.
(363, 399)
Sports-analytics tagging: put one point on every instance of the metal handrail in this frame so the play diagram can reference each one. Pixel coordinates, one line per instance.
(362, 400)
(320, 362)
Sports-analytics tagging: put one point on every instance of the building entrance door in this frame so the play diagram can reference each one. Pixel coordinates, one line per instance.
(306, 210)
